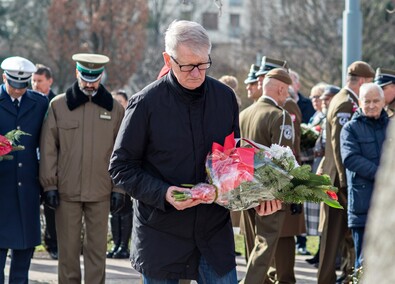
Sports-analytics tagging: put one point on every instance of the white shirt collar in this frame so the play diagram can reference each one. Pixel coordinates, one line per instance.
(270, 98)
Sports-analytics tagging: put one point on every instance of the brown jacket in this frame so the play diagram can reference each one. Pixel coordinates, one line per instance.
(340, 111)
(262, 122)
(76, 144)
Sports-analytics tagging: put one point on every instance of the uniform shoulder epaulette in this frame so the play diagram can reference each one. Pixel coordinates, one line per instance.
(38, 95)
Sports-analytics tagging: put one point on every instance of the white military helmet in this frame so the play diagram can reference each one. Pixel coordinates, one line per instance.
(18, 71)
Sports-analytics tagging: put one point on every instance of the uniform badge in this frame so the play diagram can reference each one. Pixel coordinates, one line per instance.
(105, 115)
(343, 117)
(287, 131)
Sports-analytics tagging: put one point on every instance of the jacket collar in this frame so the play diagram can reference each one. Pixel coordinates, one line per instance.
(28, 101)
(353, 95)
(359, 115)
(188, 96)
(75, 98)
(268, 99)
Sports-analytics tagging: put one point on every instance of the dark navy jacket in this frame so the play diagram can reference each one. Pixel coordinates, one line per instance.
(361, 144)
(164, 139)
(19, 185)
(306, 108)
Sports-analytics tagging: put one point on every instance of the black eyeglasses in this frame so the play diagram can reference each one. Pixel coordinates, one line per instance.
(190, 67)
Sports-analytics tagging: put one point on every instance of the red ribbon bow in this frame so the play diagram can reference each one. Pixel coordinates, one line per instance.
(231, 165)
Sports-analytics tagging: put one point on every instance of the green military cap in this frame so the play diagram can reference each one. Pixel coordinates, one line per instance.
(18, 71)
(280, 74)
(268, 64)
(384, 77)
(251, 77)
(360, 69)
(90, 66)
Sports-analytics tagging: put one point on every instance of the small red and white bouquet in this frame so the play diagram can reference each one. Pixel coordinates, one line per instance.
(240, 178)
(8, 144)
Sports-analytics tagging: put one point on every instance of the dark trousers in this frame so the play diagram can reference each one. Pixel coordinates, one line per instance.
(51, 244)
(20, 264)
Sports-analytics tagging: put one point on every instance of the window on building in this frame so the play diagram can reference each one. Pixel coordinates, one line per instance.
(210, 21)
(186, 15)
(234, 25)
(235, 2)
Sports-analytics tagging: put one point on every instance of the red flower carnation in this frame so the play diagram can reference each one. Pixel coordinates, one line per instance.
(5, 146)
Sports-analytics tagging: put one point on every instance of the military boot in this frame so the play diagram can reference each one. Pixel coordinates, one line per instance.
(115, 221)
(126, 231)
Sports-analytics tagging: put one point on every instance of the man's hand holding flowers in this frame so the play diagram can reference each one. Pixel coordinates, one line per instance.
(264, 208)
(268, 207)
(184, 204)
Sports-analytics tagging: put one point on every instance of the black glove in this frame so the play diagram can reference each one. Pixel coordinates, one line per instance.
(51, 199)
(296, 208)
(117, 202)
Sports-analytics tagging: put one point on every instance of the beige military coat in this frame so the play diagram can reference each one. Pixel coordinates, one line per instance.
(76, 146)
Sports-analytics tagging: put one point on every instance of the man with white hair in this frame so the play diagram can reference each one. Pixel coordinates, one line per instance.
(168, 130)
(362, 140)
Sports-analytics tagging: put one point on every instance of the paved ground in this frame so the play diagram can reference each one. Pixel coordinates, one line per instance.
(43, 270)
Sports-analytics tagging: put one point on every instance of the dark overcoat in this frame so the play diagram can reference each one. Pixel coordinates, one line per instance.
(19, 184)
(164, 139)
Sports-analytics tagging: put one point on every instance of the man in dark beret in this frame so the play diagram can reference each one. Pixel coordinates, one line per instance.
(256, 76)
(267, 123)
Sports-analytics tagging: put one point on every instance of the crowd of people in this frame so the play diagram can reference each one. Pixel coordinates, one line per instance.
(91, 155)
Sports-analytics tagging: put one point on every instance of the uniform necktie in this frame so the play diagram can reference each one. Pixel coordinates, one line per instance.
(16, 104)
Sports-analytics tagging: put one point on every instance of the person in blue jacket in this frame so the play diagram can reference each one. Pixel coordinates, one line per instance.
(362, 140)
(21, 109)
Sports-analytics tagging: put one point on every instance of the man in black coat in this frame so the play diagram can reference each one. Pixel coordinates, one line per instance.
(168, 130)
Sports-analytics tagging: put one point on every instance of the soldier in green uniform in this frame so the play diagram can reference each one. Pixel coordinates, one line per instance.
(266, 122)
(385, 78)
(256, 76)
(340, 110)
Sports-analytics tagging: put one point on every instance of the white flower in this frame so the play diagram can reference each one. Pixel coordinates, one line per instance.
(284, 156)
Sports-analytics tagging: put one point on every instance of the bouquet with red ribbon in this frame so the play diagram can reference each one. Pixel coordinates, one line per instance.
(240, 178)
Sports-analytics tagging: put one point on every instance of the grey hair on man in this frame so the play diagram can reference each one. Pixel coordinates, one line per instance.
(187, 33)
(370, 87)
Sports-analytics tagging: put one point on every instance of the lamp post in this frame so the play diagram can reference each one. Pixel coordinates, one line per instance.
(352, 35)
